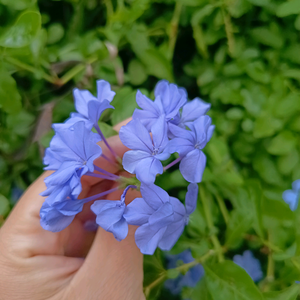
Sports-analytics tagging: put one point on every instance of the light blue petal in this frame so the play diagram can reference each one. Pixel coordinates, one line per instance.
(131, 158)
(104, 91)
(154, 195)
(82, 97)
(162, 217)
(138, 212)
(194, 109)
(119, 230)
(95, 110)
(291, 197)
(147, 169)
(147, 239)
(192, 166)
(191, 198)
(296, 185)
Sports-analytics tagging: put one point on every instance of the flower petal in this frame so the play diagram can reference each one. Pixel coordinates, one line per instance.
(131, 158)
(191, 198)
(192, 166)
(104, 91)
(147, 169)
(154, 195)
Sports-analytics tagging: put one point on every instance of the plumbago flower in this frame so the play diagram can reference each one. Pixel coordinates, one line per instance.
(161, 218)
(164, 126)
(291, 197)
(250, 264)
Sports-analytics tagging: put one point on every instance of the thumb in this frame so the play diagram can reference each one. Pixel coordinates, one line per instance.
(112, 270)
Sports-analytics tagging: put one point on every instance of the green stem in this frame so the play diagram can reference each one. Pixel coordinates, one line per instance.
(210, 225)
(76, 22)
(270, 268)
(76, 70)
(109, 9)
(31, 69)
(223, 208)
(229, 31)
(174, 28)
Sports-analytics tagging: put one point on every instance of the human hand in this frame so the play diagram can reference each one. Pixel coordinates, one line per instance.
(72, 264)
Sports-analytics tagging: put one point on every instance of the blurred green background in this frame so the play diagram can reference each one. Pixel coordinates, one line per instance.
(242, 56)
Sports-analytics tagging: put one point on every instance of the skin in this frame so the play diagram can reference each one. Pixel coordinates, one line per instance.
(72, 264)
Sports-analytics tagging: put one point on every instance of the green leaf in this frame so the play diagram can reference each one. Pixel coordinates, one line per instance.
(255, 193)
(124, 103)
(289, 293)
(23, 31)
(288, 8)
(201, 289)
(20, 123)
(259, 2)
(192, 2)
(229, 281)
(282, 144)
(10, 99)
(265, 36)
(18, 4)
(240, 222)
(55, 33)
(157, 64)
(266, 168)
(4, 205)
(287, 163)
(137, 72)
(266, 125)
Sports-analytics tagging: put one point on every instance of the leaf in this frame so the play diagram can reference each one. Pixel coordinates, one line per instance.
(55, 33)
(201, 289)
(23, 31)
(18, 4)
(240, 222)
(259, 2)
(229, 281)
(288, 8)
(157, 64)
(282, 144)
(124, 103)
(136, 71)
(20, 123)
(266, 169)
(265, 36)
(289, 293)
(255, 193)
(266, 125)
(192, 2)
(10, 99)
(4, 205)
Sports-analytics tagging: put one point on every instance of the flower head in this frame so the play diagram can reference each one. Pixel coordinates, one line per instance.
(161, 218)
(291, 197)
(250, 264)
(144, 159)
(168, 100)
(189, 145)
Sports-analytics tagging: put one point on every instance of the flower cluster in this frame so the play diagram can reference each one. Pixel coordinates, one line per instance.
(160, 128)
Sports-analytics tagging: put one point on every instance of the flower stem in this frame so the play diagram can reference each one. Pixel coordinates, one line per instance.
(96, 197)
(223, 208)
(172, 163)
(99, 176)
(106, 172)
(174, 28)
(210, 224)
(108, 159)
(104, 140)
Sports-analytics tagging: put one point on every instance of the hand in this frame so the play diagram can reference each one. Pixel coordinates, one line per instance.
(36, 264)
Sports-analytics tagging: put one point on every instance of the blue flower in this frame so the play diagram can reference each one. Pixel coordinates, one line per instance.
(189, 279)
(110, 215)
(250, 264)
(189, 145)
(72, 153)
(89, 107)
(168, 100)
(161, 218)
(144, 159)
(291, 197)
(193, 110)
(59, 215)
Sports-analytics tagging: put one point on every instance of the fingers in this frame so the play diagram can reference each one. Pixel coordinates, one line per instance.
(112, 269)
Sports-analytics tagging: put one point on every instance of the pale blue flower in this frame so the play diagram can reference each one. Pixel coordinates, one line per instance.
(291, 197)
(250, 264)
(144, 159)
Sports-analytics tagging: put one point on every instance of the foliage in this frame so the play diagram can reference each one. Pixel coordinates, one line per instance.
(240, 55)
